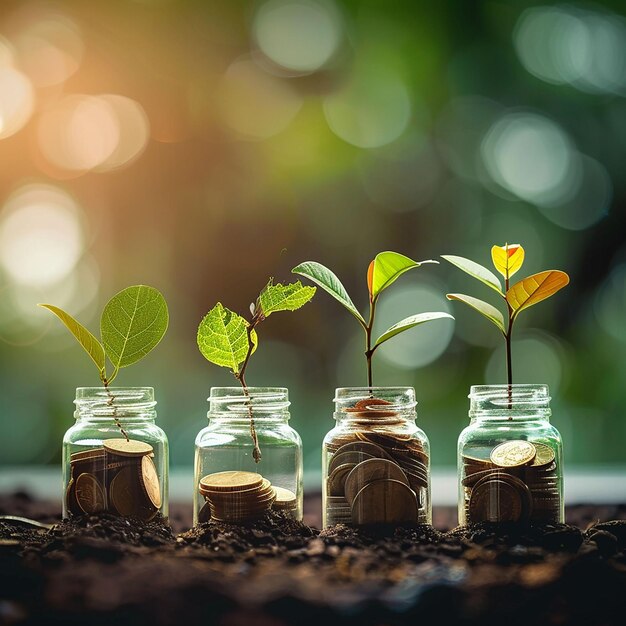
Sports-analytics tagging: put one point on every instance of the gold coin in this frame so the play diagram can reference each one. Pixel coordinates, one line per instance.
(150, 481)
(231, 481)
(369, 471)
(127, 448)
(545, 456)
(513, 453)
(285, 499)
(89, 494)
(384, 502)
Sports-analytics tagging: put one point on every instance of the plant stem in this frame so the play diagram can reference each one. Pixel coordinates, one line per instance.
(241, 377)
(509, 359)
(110, 402)
(368, 345)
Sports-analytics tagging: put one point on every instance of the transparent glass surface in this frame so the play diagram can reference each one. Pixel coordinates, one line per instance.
(510, 458)
(226, 443)
(376, 461)
(118, 477)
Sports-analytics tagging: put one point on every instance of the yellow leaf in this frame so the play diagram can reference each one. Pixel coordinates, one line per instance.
(535, 288)
(507, 259)
(370, 278)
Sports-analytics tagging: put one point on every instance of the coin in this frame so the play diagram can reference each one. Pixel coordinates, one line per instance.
(150, 481)
(336, 480)
(545, 456)
(93, 453)
(123, 447)
(70, 498)
(231, 481)
(285, 499)
(122, 493)
(384, 502)
(347, 457)
(363, 446)
(89, 494)
(369, 471)
(502, 499)
(204, 514)
(513, 453)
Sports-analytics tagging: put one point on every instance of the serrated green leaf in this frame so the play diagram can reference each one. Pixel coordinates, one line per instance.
(534, 289)
(329, 282)
(475, 270)
(388, 267)
(223, 338)
(410, 322)
(133, 322)
(280, 297)
(89, 343)
(484, 308)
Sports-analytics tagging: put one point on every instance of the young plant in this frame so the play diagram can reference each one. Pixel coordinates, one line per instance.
(229, 340)
(507, 260)
(384, 270)
(133, 322)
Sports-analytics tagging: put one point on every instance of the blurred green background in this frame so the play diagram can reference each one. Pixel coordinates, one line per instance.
(202, 147)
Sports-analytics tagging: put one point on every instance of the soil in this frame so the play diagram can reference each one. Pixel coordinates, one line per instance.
(109, 570)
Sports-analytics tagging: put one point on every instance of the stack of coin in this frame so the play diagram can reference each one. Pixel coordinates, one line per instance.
(513, 481)
(375, 474)
(119, 478)
(235, 496)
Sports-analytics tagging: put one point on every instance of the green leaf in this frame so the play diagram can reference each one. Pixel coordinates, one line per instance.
(484, 308)
(388, 267)
(410, 322)
(329, 282)
(133, 322)
(223, 338)
(476, 271)
(279, 297)
(90, 344)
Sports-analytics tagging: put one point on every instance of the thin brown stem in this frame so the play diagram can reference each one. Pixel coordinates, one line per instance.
(369, 351)
(509, 359)
(110, 402)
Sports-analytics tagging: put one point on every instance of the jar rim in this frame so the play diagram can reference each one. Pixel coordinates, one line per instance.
(521, 401)
(233, 402)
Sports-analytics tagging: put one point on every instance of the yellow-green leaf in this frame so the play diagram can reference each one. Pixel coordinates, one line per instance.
(534, 289)
(475, 270)
(410, 322)
(223, 338)
(507, 259)
(388, 267)
(484, 308)
(280, 297)
(89, 343)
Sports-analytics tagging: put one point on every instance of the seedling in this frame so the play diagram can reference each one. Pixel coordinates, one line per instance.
(229, 340)
(133, 322)
(507, 260)
(384, 270)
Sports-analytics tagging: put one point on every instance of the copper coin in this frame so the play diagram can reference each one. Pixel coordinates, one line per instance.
(347, 457)
(92, 453)
(204, 514)
(71, 503)
(384, 502)
(363, 446)
(502, 499)
(337, 479)
(122, 447)
(124, 493)
(150, 481)
(369, 471)
(513, 453)
(90, 494)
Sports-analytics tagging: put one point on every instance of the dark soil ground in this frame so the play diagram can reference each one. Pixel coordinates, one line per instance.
(112, 571)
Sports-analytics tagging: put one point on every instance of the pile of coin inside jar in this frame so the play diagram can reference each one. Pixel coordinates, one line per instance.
(120, 478)
(513, 481)
(375, 475)
(238, 497)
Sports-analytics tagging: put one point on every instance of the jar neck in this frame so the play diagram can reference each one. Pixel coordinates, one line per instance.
(375, 406)
(125, 404)
(509, 403)
(232, 404)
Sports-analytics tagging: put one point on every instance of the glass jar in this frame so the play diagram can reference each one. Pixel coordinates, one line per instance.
(510, 458)
(376, 461)
(115, 458)
(224, 452)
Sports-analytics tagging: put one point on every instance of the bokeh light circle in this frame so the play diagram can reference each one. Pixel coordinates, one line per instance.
(372, 110)
(41, 236)
(17, 100)
(254, 104)
(421, 345)
(298, 35)
(530, 156)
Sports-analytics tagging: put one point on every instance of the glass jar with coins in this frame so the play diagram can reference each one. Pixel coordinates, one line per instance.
(230, 486)
(510, 458)
(115, 458)
(376, 461)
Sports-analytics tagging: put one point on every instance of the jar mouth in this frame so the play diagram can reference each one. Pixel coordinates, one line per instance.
(388, 404)
(234, 402)
(521, 400)
(101, 402)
